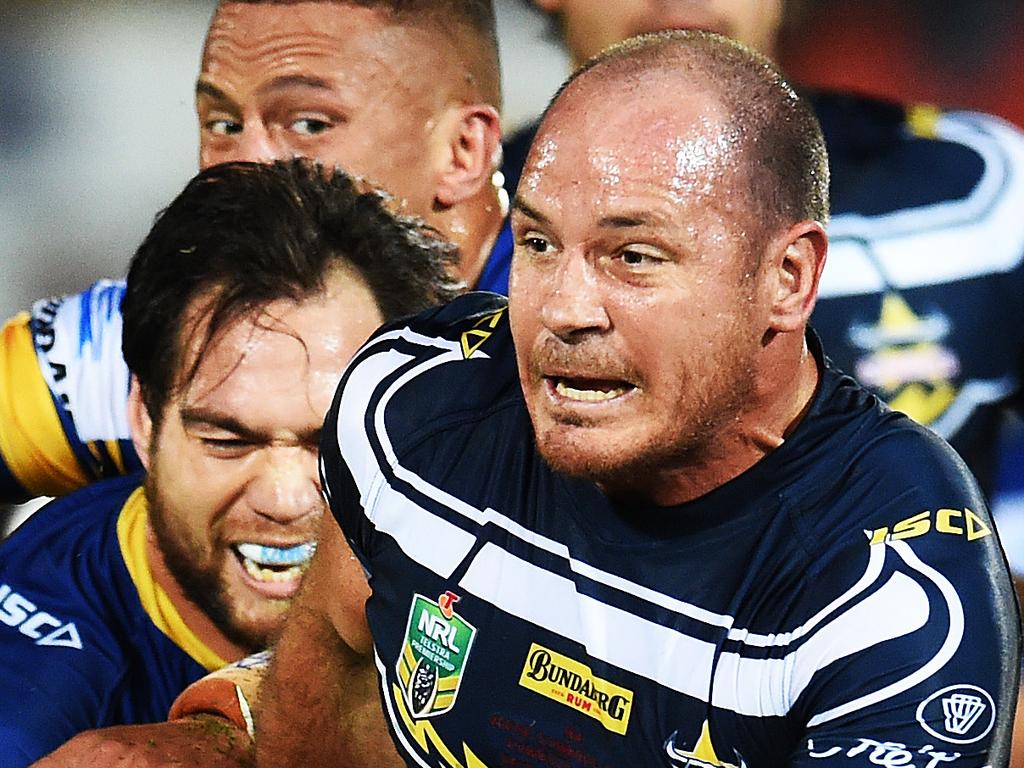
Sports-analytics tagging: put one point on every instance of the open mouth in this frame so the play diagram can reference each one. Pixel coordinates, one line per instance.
(590, 390)
(274, 564)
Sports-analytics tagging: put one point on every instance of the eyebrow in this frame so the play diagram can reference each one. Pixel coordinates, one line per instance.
(631, 219)
(616, 221)
(194, 416)
(283, 83)
(526, 210)
(198, 417)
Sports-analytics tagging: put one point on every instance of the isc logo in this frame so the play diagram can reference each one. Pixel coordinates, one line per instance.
(959, 522)
(20, 612)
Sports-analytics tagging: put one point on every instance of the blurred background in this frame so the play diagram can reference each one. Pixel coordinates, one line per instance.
(97, 130)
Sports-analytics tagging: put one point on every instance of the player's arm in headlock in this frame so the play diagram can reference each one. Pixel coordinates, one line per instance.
(320, 700)
(63, 390)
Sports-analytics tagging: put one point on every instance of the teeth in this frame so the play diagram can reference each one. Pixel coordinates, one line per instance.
(274, 563)
(266, 574)
(588, 395)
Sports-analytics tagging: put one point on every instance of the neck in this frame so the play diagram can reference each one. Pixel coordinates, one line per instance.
(191, 614)
(473, 226)
(778, 404)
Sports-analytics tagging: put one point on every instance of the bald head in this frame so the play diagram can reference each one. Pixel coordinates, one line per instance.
(767, 135)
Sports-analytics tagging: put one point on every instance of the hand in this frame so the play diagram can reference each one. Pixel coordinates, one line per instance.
(199, 740)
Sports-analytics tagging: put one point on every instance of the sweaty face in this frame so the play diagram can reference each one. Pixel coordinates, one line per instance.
(233, 484)
(322, 80)
(635, 313)
(592, 25)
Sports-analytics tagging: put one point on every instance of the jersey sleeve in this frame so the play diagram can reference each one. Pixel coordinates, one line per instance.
(914, 659)
(63, 395)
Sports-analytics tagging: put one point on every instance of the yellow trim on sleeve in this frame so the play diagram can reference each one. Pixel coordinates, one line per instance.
(923, 120)
(32, 439)
(131, 534)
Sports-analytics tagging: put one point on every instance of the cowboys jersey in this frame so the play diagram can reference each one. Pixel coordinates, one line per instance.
(843, 602)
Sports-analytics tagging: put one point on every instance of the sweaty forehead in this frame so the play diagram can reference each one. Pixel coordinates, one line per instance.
(266, 40)
(635, 135)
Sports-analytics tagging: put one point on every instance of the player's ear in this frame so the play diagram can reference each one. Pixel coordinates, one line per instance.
(796, 259)
(468, 152)
(139, 422)
(549, 6)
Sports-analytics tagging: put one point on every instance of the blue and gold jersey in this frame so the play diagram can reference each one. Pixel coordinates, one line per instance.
(843, 602)
(63, 391)
(87, 638)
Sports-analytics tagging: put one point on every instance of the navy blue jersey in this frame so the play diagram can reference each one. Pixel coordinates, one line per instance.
(85, 633)
(843, 602)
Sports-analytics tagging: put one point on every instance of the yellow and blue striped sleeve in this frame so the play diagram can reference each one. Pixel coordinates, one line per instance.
(63, 392)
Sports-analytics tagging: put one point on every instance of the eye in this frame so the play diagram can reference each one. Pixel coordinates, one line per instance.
(310, 126)
(227, 447)
(641, 256)
(534, 242)
(223, 127)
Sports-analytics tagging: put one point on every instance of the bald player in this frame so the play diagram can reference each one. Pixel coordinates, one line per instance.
(634, 516)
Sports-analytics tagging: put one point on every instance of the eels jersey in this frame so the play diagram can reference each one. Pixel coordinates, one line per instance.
(87, 638)
(63, 392)
(64, 387)
(845, 602)
(920, 299)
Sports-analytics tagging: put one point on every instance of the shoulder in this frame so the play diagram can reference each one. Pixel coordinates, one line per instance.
(888, 157)
(416, 373)
(66, 556)
(861, 466)
(63, 591)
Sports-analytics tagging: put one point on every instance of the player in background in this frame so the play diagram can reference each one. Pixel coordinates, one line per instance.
(405, 94)
(242, 307)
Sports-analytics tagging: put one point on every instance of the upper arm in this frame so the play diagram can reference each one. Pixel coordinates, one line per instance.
(63, 391)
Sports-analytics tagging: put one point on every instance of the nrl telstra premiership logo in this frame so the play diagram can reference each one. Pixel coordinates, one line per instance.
(434, 654)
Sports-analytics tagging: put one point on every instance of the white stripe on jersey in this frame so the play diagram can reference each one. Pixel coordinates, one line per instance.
(631, 642)
(90, 374)
(940, 243)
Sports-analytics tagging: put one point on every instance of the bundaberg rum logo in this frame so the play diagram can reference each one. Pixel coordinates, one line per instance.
(437, 644)
(567, 681)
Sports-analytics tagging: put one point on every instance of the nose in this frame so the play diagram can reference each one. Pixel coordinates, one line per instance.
(573, 303)
(286, 486)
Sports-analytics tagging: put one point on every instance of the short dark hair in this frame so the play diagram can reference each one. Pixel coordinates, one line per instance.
(451, 19)
(247, 234)
(786, 162)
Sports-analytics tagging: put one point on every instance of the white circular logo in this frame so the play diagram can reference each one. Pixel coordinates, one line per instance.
(960, 714)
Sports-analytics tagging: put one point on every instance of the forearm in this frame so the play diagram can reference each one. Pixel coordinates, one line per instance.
(319, 704)
(202, 740)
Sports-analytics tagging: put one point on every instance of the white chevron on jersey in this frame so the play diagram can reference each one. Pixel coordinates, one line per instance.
(869, 613)
(943, 242)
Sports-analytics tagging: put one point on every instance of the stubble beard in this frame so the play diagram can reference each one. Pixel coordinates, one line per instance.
(634, 468)
(201, 585)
